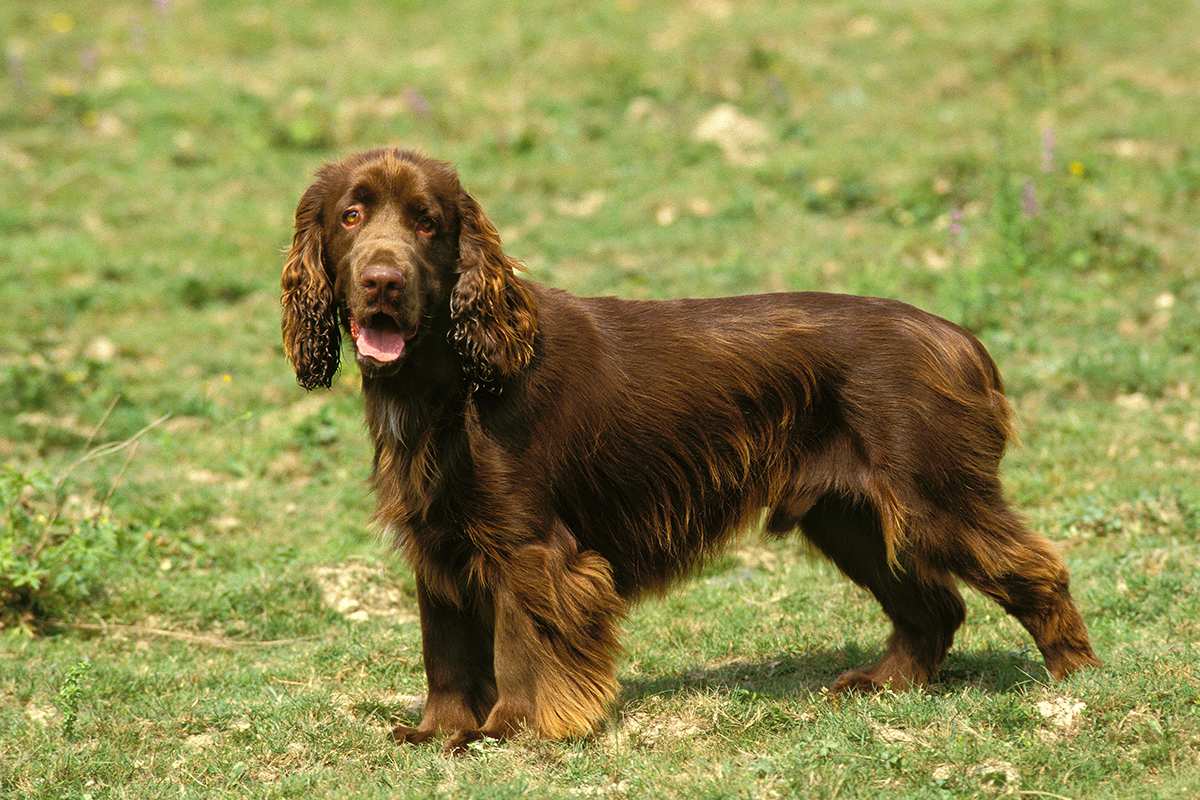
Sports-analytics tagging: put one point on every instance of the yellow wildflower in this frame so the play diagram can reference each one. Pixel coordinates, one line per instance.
(62, 87)
(62, 22)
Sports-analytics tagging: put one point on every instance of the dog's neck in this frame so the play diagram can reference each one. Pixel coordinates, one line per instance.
(401, 411)
(418, 421)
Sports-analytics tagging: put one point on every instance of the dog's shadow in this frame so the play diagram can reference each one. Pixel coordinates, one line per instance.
(793, 675)
(789, 675)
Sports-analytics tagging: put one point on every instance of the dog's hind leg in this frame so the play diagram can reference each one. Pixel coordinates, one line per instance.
(995, 552)
(922, 602)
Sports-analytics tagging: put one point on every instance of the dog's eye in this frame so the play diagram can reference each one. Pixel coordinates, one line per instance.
(425, 225)
(352, 216)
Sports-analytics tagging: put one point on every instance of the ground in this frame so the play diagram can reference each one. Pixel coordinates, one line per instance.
(205, 611)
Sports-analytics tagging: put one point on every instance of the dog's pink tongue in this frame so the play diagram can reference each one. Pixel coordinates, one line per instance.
(381, 345)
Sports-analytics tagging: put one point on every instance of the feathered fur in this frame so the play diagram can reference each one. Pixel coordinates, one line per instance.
(311, 339)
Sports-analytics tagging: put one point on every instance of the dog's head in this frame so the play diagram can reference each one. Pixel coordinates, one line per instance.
(389, 247)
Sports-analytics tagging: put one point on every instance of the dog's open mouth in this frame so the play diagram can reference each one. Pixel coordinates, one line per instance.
(379, 338)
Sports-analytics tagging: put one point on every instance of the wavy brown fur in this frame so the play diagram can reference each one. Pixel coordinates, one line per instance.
(311, 339)
(495, 316)
(543, 460)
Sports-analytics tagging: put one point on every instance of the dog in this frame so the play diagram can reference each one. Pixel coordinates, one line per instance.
(544, 460)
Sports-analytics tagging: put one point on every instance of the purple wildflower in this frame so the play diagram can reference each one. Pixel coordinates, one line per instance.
(16, 70)
(88, 59)
(1029, 203)
(163, 6)
(416, 102)
(779, 92)
(1048, 150)
(956, 228)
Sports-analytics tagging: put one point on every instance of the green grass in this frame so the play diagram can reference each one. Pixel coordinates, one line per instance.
(213, 641)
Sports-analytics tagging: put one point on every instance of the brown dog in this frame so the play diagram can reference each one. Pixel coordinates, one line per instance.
(544, 459)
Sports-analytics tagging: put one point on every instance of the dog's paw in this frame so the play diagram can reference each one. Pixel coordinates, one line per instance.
(405, 734)
(459, 743)
(856, 680)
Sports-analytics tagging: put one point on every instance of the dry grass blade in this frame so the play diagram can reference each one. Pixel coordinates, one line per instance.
(207, 639)
(112, 447)
(91, 455)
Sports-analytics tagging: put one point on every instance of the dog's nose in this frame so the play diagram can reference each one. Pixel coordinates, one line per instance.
(382, 284)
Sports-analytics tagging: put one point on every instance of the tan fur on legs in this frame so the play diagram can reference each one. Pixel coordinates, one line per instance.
(556, 617)
(1024, 573)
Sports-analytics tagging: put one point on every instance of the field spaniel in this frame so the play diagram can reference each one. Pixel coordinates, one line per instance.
(544, 460)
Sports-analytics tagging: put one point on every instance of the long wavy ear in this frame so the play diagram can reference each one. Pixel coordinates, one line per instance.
(311, 338)
(493, 313)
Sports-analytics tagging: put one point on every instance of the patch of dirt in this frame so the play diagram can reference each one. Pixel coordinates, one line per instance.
(656, 722)
(288, 465)
(582, 207)
(862, 26)
(203, 476)
(995, 776)
(291, 413)
(740, 138)
(713, 9)
(757, 557)
(42, 715)
(67, 422)
(360, 592)
(618, 789)
(1062, 716)
(199, 741)
(649, 730)
(410, 705)
(892, 735)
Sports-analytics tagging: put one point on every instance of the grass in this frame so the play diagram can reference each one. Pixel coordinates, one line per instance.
(1029, 169)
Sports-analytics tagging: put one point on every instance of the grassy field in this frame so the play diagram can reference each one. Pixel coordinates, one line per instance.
(204, 612)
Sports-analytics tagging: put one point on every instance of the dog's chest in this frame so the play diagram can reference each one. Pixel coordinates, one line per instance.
(405, 481)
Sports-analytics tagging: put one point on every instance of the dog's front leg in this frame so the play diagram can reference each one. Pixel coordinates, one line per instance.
(456, 642)
(556, 618)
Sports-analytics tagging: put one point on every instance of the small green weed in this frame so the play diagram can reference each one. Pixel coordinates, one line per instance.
(49, 557)
(70, 694)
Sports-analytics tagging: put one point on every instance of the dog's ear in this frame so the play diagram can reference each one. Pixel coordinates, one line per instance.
(493, 313)
(311, 338)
